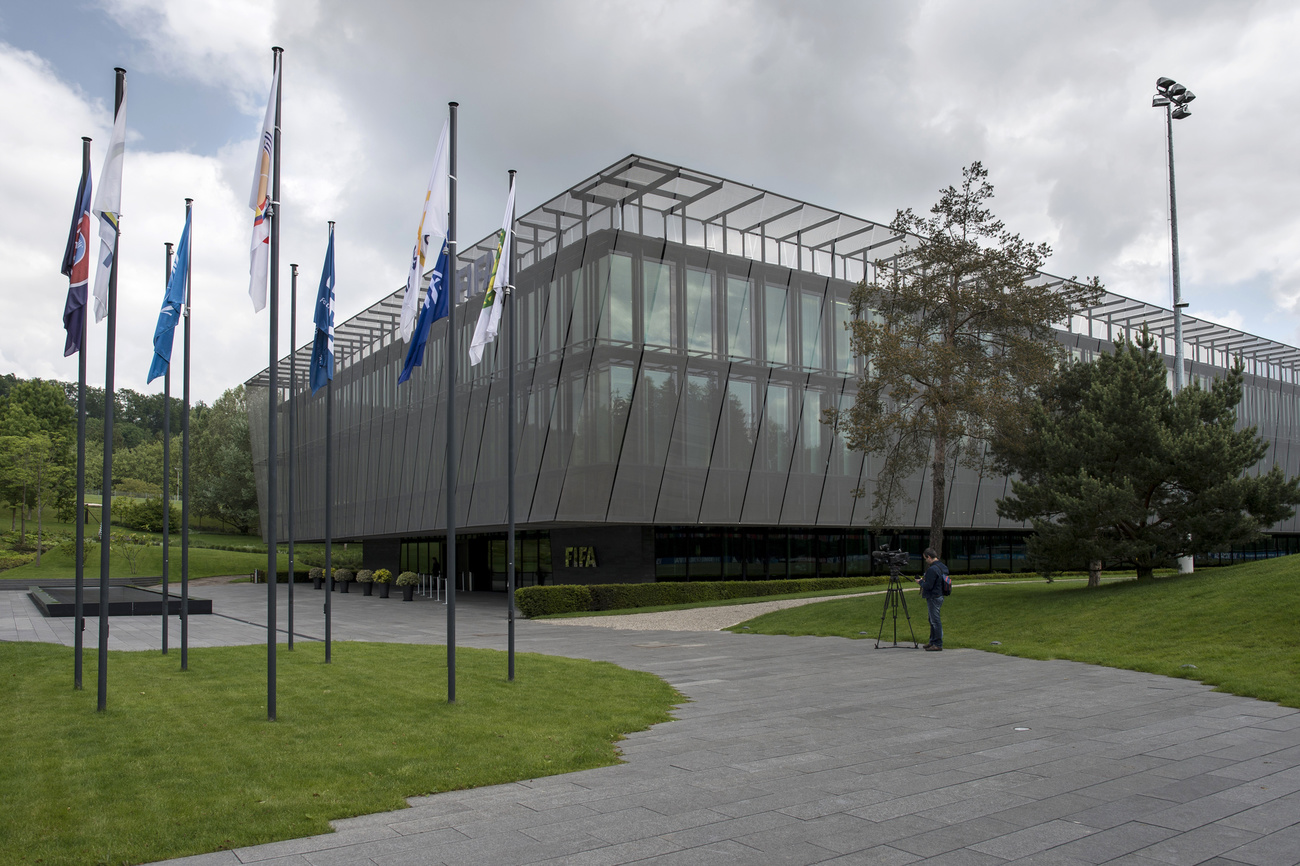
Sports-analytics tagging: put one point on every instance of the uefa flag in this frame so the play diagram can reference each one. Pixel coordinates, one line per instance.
(435, 307)
(76, 267)
(172, 305)
(322, 349)
(260, 199)
(432, 231)
(108, 207)
(489, 318)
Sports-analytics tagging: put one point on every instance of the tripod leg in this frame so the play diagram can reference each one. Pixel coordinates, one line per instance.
(889, 597)
(910, 630)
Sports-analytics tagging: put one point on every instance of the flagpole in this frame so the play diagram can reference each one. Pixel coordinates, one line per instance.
(167, 450)
(452, 298)
(185, 450)
(273, 444)
(80, 590)
(329, 501)
(106, 492)
(509, 301)
(293, 382)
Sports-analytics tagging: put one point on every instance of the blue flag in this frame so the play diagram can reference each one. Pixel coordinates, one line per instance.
(435, 308)
(172, 306)
(322, 350)
(76, 267)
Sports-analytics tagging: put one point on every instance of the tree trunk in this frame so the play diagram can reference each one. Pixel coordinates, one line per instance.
(1145, 572)
(39, 524)
(1094, 573)
(939, 484)
(22, 535)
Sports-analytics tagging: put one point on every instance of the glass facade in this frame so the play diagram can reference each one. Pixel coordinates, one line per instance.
(679, 339)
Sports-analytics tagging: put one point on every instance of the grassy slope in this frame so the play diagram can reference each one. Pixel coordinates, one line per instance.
(183, 763)
(60, 562)
(1237, 625)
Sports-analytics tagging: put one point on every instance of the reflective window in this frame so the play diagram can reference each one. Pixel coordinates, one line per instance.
(843, 347)
(657, 302)
(740, 325)
(736, 438)
(810, 326)
(616, 317)
(774, 320)
(699, 311)
(776, 430)
(700, 388)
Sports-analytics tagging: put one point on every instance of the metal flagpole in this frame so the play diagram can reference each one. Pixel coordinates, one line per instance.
(329, 495)
(106, 493)
(452, 298)
(272, 442)
(509, 302)
(79, 593)
(329, 510)
(293, 383)
(166, 473)
(185, 455)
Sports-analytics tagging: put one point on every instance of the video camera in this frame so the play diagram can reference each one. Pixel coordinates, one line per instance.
(891, 558)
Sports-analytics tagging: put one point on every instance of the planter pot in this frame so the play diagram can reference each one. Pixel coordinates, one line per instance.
(408, 593)
(367, 588)
(383, 590)
(343, 587)
(318, 581)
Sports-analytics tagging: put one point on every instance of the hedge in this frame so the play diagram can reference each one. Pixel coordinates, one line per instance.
(569, 598)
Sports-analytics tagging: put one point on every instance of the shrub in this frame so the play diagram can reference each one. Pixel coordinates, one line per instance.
(365, 575)
(146, 515)
(316, 573)
(562, 598)
(343, 575)
(408, 578)
(383, 575)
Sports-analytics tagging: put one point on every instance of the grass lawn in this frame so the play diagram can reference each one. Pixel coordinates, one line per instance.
(183, 763)
(1237, 625)
(61, 562)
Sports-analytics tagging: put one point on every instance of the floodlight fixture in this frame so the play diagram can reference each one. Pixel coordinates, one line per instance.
(1173, 98)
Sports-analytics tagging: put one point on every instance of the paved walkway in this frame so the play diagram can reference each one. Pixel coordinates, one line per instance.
(818, 750)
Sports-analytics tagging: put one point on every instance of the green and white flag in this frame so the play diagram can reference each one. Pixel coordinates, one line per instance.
(485, 331)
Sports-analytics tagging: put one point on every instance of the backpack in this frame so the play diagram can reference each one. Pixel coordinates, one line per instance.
(947, 582)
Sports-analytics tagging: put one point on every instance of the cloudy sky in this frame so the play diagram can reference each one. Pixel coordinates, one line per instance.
(863, 107)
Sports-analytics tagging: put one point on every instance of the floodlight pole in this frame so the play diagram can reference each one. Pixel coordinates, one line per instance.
(1170, 94)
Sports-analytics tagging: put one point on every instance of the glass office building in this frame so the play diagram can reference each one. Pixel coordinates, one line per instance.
(679, 337)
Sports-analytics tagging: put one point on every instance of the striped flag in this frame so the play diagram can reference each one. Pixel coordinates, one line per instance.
(489, 318)
(76, 266)
(260, 199)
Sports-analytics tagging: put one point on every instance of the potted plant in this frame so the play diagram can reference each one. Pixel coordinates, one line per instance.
(343, 577)
(317, 575)
(408, 580)
(366, 578)
(384, 579)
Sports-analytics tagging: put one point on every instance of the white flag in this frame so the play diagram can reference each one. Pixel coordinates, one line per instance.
(108, 207)
(432, 231)
(489, 319)
(259, 199)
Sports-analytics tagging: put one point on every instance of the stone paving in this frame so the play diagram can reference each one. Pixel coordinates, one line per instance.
(816, 750)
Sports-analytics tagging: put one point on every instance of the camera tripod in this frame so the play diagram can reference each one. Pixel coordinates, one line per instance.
(894, 599)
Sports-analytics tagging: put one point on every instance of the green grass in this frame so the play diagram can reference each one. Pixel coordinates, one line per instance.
(183, 763)
(61, 563)
(1237, 625)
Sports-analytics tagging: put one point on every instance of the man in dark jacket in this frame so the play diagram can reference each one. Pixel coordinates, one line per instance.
(932, 591)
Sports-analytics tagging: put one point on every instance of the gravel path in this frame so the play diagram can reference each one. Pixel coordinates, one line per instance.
(697, 619)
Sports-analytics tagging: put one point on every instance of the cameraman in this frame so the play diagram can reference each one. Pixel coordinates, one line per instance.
(932, 591)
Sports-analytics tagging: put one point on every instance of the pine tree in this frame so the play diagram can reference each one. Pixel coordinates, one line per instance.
(1113, 468)
(955, 329)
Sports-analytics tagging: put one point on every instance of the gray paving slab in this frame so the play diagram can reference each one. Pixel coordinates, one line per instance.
(811, 750)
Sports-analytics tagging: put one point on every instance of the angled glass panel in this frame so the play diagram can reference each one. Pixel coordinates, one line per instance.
(733, 448)
(687, 470)
(740, 317)
(645, 445)
(843, 361)
(617, 319)
(775, 321)
(843, 468)
(772, 454)
(658, 307)
(598, 439)
(810, 328)
(808, 464)
(699, 312)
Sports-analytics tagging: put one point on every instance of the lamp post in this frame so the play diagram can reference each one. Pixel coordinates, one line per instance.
(1174, 98)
